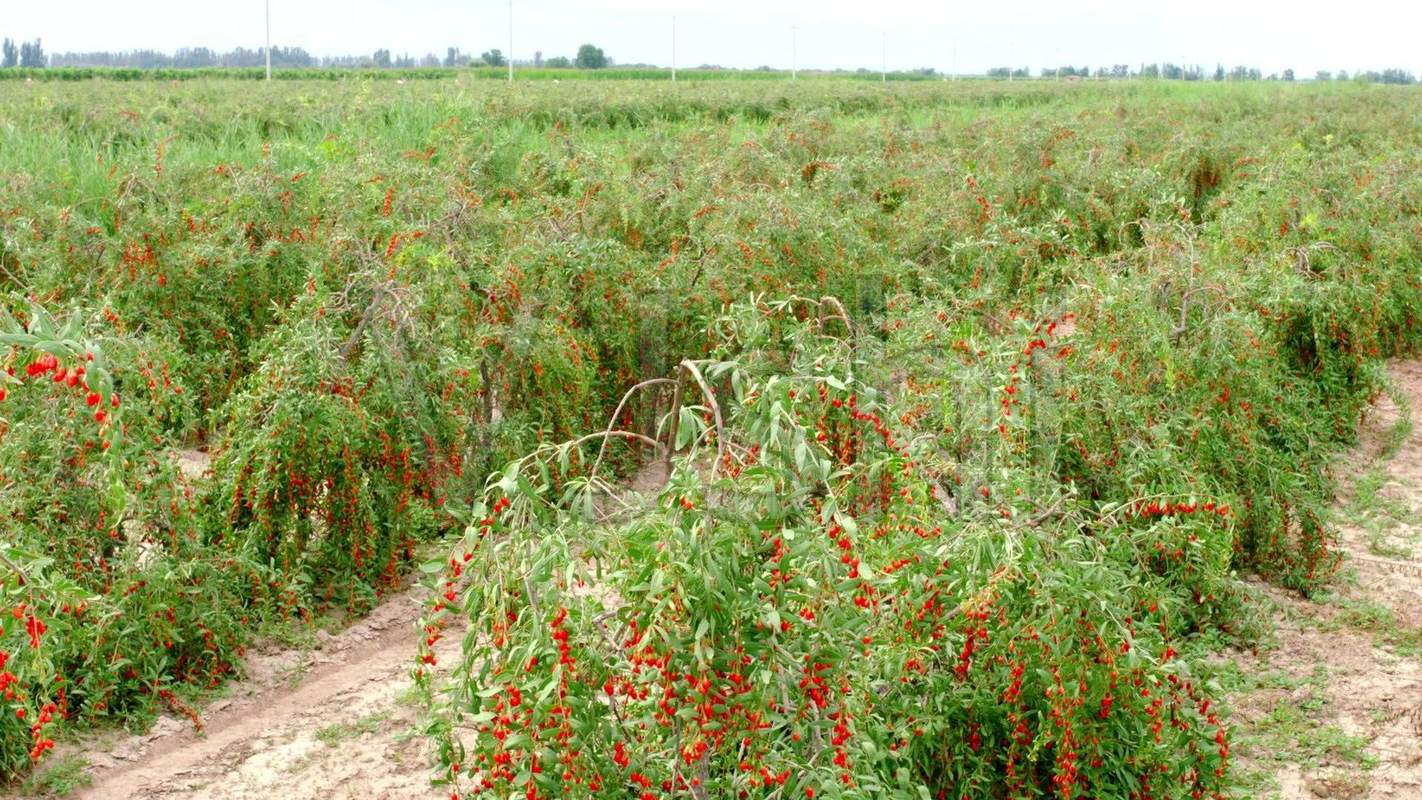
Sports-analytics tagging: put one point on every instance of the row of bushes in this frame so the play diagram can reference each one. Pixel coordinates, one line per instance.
(362, 303)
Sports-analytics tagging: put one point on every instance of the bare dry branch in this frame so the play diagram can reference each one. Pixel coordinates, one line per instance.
(612, 421)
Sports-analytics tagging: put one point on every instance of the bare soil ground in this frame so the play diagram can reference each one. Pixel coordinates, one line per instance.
(1334, 709)
(306, 723)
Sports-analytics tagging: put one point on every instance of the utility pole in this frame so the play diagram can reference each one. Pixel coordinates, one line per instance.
(673, 48)
(794, 61)
(510, 41)
(269, 40)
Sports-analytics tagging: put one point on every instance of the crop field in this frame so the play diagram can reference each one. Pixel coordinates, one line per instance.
(751, 439)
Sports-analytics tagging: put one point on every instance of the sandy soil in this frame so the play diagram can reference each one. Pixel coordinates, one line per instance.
(1341, 694)
(322, 723)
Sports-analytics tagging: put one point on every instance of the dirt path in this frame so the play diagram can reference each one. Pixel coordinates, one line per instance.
(327, 722)
(1334, 710)
(322, 723)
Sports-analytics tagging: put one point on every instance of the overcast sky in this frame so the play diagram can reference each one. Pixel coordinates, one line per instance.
(1305, 35)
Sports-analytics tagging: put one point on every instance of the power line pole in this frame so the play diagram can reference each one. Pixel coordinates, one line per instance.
(269, 39)
(510, 41)
(794, 58)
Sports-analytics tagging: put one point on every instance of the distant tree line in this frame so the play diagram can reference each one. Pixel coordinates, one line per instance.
(1168, 71)
(588, 56)
(282, 57)
(24, 54)
(31, 54)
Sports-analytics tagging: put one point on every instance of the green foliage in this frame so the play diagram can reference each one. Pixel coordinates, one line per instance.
(1113, 331)
(590, 57)
(111, 599)
(338, 450)
(810, 614)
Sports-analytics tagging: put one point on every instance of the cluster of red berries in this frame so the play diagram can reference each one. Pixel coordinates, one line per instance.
(76, 378)
(34, 629)
(1155, 508)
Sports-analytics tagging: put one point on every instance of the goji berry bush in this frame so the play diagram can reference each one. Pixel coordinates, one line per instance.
(975, 401)
(803, 614)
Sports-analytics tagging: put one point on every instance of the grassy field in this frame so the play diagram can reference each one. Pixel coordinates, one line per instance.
(982, 397)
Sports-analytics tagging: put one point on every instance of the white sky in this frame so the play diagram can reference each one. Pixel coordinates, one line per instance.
(1306, 35)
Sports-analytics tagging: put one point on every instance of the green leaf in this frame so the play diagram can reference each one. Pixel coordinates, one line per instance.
(687, 427)
(772, 619)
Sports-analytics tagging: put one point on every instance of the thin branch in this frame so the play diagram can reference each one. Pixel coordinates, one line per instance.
(1042, 516)
(612, 421)
(368, 316)
(695, 373)
(1182, 326)
(840, 313)
(16, 568)
(611, 700)
(625, 434)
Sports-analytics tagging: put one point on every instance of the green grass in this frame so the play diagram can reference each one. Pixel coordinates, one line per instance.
(332, 735)
(1387, 522)
(1377, 620)
(58, 777)
(1402, 427)
(1369, 508)
(1292, 731)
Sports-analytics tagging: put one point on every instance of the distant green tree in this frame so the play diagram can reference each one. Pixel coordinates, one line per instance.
(1323, 75)
(454, 58)
(1288, 74)
(1219, 72)
(381, 58)
(493, 58)
(32, 54)
(558, 62)
(9, 54)
(590, 57)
